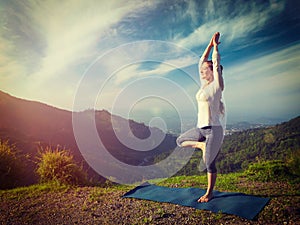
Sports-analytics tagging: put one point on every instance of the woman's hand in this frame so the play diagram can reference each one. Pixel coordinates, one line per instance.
(215, 39)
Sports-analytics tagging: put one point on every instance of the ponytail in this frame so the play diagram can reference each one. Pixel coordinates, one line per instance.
(222, 107)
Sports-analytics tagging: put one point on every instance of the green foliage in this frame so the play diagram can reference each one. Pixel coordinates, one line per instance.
(275, 170)
(58, 165)
(241, 149)
(11, 166)
(32, 191)
(225, 182)
(192, 167)
(294, 163)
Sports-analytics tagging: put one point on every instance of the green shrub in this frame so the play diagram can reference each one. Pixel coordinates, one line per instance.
(294, 163)
(11, 166)
(275, 170)
(58, 165)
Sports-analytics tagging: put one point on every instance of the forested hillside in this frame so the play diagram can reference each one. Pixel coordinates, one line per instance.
(280, 142)
(31, 125)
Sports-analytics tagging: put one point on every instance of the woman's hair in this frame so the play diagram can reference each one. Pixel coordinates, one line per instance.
(211, 65)
(222, 107)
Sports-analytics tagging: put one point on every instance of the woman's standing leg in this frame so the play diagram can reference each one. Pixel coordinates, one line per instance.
(211, 181)
(214, 142)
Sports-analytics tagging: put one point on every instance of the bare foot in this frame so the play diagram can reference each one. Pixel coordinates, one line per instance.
(202, 146)
(205, 198)
(196, 144)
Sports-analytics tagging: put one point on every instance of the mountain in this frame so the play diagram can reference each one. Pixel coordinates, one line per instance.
(30, 124)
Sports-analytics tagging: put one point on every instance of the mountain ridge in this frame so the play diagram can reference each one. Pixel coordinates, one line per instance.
(29, 124)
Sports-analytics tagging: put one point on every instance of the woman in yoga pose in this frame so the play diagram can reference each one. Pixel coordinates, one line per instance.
(208, 135)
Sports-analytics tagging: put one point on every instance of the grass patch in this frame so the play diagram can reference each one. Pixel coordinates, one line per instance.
(225, 182)
(275, 170)
(33, 190)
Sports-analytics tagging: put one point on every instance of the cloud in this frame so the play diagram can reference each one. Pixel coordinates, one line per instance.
(162, 68)
(269, 65)
(71, 36)
(266, 85)
(249, 17)
(45, 45)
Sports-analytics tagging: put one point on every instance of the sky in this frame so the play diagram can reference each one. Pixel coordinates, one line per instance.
(138, 59)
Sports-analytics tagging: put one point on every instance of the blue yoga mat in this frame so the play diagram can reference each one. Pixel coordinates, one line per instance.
(246, 206)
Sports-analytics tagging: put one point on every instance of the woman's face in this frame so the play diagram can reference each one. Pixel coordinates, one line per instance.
(206, 72)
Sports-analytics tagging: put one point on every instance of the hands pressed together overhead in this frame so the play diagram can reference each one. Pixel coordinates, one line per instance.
(215, 39)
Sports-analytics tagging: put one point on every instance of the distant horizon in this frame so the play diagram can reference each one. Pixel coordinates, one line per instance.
(144, 118)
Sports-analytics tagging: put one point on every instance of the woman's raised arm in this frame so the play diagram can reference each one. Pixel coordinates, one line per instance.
(216, 61)
(206, 53)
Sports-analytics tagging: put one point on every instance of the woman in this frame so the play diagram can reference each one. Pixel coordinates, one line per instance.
(208, 135)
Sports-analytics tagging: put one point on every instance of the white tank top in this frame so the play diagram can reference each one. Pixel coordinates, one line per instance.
(208, 100)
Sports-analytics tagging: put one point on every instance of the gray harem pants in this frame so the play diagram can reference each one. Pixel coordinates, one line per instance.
(213, 136)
